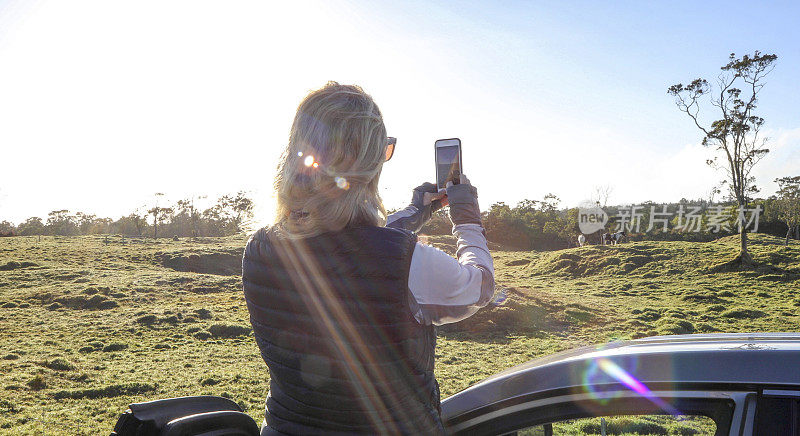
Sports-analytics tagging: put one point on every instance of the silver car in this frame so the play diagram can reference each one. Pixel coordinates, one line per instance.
(720, 384)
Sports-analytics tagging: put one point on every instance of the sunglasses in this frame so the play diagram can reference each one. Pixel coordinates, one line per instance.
(390, 143)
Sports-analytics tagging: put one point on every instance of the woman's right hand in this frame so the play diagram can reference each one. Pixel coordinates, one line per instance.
(463, 200)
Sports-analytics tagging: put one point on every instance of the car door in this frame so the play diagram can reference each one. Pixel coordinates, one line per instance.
(613, 412)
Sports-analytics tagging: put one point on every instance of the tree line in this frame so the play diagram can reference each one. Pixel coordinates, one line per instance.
(229, 215)
(529, 225)
(542, 225)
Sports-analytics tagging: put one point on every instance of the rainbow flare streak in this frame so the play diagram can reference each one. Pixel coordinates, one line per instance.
(619, 374)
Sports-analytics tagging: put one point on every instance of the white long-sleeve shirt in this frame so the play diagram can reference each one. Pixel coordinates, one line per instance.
(443, 289)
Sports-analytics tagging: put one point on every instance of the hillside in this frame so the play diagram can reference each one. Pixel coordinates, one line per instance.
(90, 324)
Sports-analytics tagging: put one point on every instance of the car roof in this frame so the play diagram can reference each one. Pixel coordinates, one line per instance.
(660, 361)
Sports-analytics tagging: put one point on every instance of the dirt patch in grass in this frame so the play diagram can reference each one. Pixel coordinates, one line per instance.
(518, 315)
(518, 262)
(106, 392)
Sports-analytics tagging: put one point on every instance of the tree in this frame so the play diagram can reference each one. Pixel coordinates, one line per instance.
(789, 204)
(504, 226)
(6, 228)
(159, 214)
(736, 134)
(233, 212)
(139, 221)
(188, 217)
(85, 222)
(60, 222)
(31, 226)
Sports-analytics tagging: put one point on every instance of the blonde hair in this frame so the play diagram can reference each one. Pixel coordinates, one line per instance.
(328, 174)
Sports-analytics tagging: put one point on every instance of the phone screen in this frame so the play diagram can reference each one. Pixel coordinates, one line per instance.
(448, 164)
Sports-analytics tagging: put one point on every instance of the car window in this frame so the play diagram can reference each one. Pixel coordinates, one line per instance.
(626, 425)
(778, 416)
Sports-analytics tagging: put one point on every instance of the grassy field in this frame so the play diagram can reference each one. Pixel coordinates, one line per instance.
(91, 324)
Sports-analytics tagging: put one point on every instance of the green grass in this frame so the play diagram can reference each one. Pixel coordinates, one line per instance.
(89, 325)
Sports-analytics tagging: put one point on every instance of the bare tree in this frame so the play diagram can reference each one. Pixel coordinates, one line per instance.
(736, 135)
(601, 194)
(158, 214)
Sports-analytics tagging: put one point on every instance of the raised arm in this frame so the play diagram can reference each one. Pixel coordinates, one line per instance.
(425, 200)
(446, 290)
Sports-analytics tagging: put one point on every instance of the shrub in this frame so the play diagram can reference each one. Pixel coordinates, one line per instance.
(202, 335)
(116, 346)
(96, 344)
(37, 383)
(675, 326)
(649, 315)
(228, 330)
(147, 319)
(58, 365)
(209, 381)
(743, 314)
(203, 313)
(8, 407)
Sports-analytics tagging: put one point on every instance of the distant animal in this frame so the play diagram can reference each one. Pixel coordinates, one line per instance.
(615, 238)
(605, 238)
(581, 240)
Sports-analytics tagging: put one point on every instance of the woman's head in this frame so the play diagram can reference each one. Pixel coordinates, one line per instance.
(328, 175)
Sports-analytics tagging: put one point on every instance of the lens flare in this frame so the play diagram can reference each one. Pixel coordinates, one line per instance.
(623, 376)
(315, 165)
(342, 183)
(309, 160)
(300, 154)
(499, 298)
(609, 368)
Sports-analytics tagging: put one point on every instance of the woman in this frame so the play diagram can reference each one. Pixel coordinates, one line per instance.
(342, 307)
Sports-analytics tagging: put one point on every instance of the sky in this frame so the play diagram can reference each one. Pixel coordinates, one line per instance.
(104, 103)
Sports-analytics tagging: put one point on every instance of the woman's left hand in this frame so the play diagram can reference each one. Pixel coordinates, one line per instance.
(427, 194)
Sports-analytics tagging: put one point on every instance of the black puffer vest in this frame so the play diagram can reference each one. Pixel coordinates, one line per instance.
(331, 317)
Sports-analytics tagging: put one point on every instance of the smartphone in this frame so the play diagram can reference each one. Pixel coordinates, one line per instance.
(448, 161)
